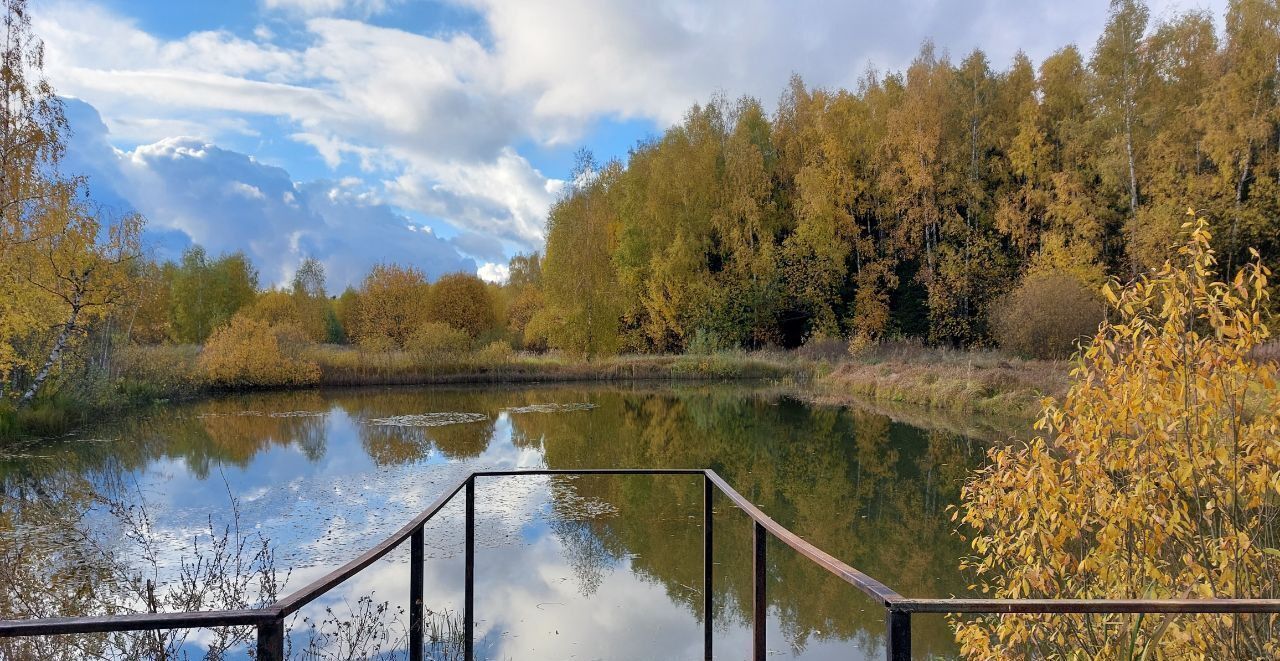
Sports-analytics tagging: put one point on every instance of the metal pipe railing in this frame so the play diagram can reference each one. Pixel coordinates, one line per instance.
(269, 620)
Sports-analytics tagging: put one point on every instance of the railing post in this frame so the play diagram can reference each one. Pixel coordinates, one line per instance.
(707, 563)
(271, 640)
(898, 640)
(469, 598)
(416, 553)
(759, 619)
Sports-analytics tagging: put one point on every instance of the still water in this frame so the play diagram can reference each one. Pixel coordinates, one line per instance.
(566, 568)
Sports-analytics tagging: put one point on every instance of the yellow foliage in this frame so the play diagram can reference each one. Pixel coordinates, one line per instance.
(391, 304)
(462, 301)
(494, 353)
(248, 352)
(274, 307)
(1158, 476)
(438, 339)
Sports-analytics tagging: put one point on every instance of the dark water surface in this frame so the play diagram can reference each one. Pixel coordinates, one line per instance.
(567, 568)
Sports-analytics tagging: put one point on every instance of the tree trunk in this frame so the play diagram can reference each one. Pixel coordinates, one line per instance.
(1133, 176)
(59, 346)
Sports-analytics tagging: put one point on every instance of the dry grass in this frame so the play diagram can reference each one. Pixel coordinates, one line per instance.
(974, 381)
(1268, 353)
(345, 366)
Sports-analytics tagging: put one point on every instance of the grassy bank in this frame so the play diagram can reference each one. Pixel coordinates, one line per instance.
(145, 376)
(957, 382)
(341, 366)
(1005, 392)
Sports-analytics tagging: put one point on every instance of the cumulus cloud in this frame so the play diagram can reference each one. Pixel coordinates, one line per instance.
(192, 191)
(494, 272)
(436, 121)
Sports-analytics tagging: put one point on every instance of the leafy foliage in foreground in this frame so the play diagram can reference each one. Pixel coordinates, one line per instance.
(1158, 476)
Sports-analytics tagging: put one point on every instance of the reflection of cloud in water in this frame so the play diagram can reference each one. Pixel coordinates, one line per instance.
(529, 603)
(554, 552)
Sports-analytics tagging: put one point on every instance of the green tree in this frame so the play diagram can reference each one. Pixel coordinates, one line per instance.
(207, 293)
(582, 309)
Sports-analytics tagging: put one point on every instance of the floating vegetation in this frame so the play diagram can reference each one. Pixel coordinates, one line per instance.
(429, 419)
(263, 414)
(552, 408)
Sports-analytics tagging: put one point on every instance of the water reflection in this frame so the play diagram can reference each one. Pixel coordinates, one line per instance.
(589, 567)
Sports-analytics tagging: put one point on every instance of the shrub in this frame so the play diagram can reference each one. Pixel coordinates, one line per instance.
(462, 301)
(705, 342)
(1046, 315)
(438, 339)
(248, 352)
(1151, 479)
(157, 372)
(495, 353)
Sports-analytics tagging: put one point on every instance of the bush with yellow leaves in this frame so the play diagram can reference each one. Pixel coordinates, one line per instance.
(249, 352)
(438, 340)
(1158, 476)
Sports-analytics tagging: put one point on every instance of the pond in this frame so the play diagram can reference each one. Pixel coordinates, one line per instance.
(566, 567)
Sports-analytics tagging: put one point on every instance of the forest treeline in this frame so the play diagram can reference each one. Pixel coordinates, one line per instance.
(961, 202)
(964, 204)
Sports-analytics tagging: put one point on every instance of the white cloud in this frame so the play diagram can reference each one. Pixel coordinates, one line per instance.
(494, 272)
(438, 119)
(252, 192)
(192, 191)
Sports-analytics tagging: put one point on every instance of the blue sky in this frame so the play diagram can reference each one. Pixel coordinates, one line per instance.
(438, 133)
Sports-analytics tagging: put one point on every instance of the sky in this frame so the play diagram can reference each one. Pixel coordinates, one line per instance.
(437, 133)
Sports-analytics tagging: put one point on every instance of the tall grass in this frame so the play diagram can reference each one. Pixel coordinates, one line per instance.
(345, 366)
(958, 381)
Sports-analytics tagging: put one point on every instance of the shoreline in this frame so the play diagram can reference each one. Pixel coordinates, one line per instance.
(980, 383)
(986, 392)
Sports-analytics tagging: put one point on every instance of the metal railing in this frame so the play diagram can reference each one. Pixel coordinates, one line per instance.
(269, 620)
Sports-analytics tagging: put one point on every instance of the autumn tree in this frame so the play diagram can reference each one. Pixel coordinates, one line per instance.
(315, 316)
(1122, 77)
(1240, 120)
(147, 320)
(1156, 477)
(64, 264)
(462, 301)
(391, 304)
(524, 294)
(911, 204)
(582, 310)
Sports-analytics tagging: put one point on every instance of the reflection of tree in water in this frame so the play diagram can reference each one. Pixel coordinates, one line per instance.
(867, 490)
(75, 567)
(395, 444)
(584, 552)
(50, 573)
(240, 432)
(870, 491)
(211, 433)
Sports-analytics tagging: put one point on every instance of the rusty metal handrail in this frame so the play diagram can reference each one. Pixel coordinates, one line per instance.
(269, 620)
